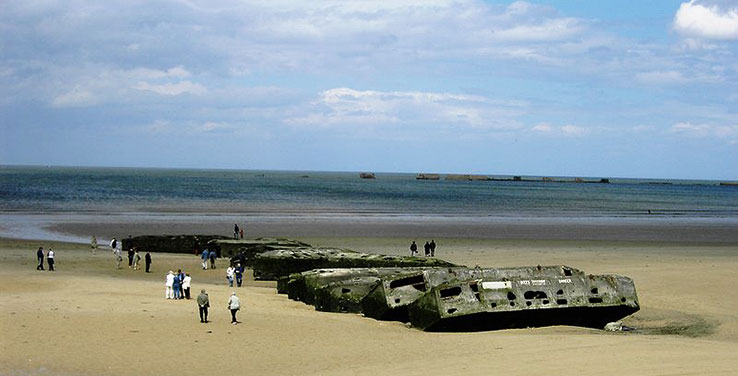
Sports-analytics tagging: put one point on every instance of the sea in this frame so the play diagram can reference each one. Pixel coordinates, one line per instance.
(69, 191)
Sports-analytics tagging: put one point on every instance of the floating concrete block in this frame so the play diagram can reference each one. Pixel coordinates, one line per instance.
(191, 244)
(250, 247)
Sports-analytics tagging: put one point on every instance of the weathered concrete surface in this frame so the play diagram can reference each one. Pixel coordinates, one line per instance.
(337, 290)
(171, 243)
(523, 297)
(275, 264)
(250, 247)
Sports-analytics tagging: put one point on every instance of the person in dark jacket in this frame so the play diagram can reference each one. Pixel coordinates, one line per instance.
(40, 258)
(130, 257)
(239, 274)
(147, 259)
(433, 248)
(203, 303)
(426, 247)
(413, 248)
(212, 256)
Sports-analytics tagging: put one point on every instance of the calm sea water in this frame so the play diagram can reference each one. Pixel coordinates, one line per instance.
(122, 190)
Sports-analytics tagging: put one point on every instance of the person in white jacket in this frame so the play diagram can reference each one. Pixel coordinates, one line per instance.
(234, 304)
(169, 283)
(229, 275)
(186, 285)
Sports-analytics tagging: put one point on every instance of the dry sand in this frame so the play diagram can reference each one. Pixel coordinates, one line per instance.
(88, 318)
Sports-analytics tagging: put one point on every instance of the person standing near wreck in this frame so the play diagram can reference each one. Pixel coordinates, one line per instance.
(130, 257)
(118, 257)
(40, 258)
(186, 285)
(433, 248)
(229, 275)
(205, 255)
(170, 285)
(147, 259)
(426, 248)
(413, 248)
(136, 259)
(234, 304)
(203, 303)
(235, 231)
(212, 256)
(238, 272)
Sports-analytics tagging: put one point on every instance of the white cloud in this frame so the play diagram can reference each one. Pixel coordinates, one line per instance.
(563, 130)
(706, 21)
(728, 133)
(347, 109)
(182, 87)
(660, 77)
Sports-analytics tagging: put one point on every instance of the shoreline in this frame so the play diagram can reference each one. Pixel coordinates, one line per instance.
(79, 227)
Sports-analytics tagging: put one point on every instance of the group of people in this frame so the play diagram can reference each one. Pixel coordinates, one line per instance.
(429, 248)
(235, 272)
(178, 285)
(237, 232)
(134, 258)
(49, 259)
(208, 256)
(203, 304)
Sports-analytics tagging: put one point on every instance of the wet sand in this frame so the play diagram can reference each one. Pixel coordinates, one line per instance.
(90, 319)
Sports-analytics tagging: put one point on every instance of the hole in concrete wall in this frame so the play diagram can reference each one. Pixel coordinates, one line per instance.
(595, 290)
(561, 301)
(407, 281)
(535, 295)
(345, 290)
(343, 309)
(560, 292)
(397, 300)
(622, 300)
(451, 310)
(528, 303)
(511, 296)
(474, 287)
(545, 301)
(452, 291)
(567, 272)
(493, 304)
(595, 300)
(512, 304)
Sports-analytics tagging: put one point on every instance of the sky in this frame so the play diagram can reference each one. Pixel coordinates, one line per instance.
(644, 89)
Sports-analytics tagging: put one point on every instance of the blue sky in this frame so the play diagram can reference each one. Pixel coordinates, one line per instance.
(565, 88)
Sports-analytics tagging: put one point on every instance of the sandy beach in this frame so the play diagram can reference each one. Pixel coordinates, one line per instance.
(88, 318)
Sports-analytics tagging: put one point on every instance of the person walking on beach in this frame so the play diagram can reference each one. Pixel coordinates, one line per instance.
(186, 285)
(50, 259)
(136, 259)
(93, 245)
(433, 248)
(229, 275)
(413, 248)
(238, 272)
(40, 258)
(234, 304)
(147, 260)
(205, 255)
(212, 256)
(426, 247)
(235, 231)
(241, 233)
(130, 257)
(170, 285)
(203, 303)
(118, 257)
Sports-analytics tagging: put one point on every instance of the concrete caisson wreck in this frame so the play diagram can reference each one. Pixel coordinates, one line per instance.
(469, 299)
(280, 263)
